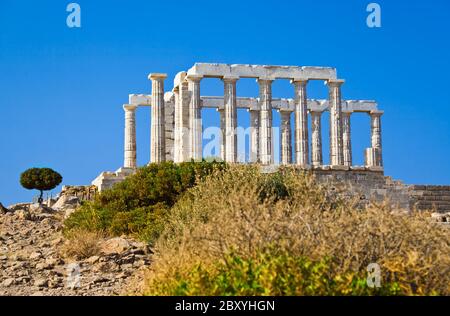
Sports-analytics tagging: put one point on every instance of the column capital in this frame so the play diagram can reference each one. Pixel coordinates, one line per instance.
(285, 110)
(130, 107)
(194, 78)
(230, 79)
(376, 113)
(315, 112)
(264, 80)
(347, 112)
(335, 82)
(157, 76)
(299, 81)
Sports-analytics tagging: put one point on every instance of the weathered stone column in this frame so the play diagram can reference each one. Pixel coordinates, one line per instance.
(183, 108)
(347, 138)
(195, 118)
(265, 121)
(230, 119)
(222, 133)
(177, 154)
(336, 136)
(301, 123)
(316, 135)
(377, 160)
(254, 136)
(286, 147)
(130, 136)
(158, 137)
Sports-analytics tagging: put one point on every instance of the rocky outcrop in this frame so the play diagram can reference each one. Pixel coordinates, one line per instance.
(443, 218)
(3, 210)
(32, 261)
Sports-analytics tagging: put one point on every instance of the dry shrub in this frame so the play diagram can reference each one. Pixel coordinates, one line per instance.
(225, 213)
(82, 243)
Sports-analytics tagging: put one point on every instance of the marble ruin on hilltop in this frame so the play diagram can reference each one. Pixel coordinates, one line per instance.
(176, 124)
(176, 131)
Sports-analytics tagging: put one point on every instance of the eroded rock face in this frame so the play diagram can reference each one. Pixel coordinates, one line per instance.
(32, 263)
(3, 210)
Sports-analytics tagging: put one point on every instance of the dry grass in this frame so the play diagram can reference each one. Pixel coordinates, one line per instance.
(82, 244)
(226, 213)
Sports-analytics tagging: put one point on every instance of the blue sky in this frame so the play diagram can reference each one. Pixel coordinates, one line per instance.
(62, 89)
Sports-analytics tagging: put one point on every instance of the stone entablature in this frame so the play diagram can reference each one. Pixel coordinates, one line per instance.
(314, 105)
(207, 70)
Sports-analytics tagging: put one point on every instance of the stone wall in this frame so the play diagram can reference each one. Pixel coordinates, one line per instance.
(107, 179)
(430, 197)
(82, 192)
(374, 186)
(366, 185)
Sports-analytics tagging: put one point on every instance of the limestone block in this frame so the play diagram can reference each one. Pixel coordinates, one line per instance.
(261, 71)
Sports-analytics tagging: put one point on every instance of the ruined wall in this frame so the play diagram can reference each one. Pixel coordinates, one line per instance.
(374, 186)
(82, 192)
(367, 185)
(434, 197)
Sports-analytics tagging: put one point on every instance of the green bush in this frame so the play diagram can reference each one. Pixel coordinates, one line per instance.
(139, 204)
(269, 274)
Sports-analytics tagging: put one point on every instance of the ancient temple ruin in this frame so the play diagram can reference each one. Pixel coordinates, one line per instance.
(176, 130)
(176, 124)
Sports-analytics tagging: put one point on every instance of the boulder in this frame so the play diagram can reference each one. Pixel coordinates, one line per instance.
(37, 208)
(65, 202)
(115, 245)
(438, 217)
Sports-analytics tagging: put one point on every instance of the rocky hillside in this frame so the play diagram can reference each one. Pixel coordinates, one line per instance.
(33, 260)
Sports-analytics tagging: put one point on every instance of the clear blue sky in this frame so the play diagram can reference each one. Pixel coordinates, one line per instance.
(62, 90)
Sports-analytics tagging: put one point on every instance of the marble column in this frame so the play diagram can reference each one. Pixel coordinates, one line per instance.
(336, 135)
(158, 137)
(230, 119)
(286, 147)
(347, 138)
(183, 108)
(195, 118)
(316, 138)
(177, 127)
(222, 133)
(254, 136)
(301, 123)
(375, 117)
(130, 136)
(265, 121)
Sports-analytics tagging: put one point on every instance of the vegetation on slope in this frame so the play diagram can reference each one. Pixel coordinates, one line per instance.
(241, 232)
(140, 204)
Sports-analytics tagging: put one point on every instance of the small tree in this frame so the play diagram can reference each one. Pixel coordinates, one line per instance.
(42, 179)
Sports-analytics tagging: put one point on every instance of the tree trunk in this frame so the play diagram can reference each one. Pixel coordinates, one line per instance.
(40, 200)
